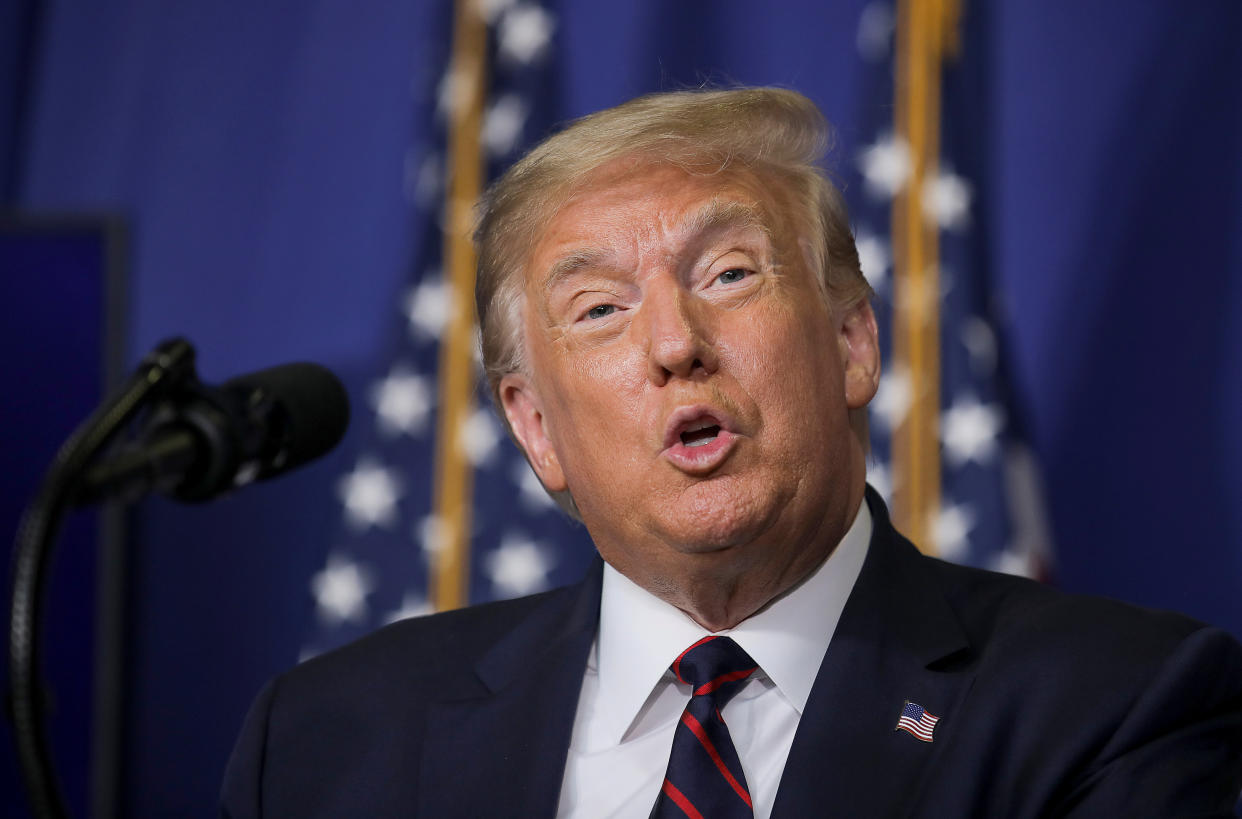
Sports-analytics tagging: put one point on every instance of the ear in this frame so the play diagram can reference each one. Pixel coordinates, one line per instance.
(524, 410)
(860, 354)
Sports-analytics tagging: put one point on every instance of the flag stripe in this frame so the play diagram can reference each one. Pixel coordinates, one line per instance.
(919, 730)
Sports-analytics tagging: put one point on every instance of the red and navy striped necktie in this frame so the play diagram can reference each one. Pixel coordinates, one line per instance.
(705, 779)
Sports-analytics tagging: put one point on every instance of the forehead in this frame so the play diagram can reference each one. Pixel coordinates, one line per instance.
(627, 205)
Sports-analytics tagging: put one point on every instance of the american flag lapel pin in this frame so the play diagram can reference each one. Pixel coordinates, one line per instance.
(917, 721)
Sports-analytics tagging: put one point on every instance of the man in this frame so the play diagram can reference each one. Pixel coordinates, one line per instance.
(676, 328)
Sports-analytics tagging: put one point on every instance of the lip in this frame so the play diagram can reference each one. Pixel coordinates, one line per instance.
(698, 460)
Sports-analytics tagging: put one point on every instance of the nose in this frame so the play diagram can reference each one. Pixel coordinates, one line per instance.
(675, 330)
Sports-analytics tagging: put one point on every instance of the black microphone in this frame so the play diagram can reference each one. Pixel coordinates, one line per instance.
(201, 441)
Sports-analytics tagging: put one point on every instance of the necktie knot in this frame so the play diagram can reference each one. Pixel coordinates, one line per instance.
(705, 776)
(714, 666)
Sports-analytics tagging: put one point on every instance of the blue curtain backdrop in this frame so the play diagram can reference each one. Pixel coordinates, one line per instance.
(269, 159)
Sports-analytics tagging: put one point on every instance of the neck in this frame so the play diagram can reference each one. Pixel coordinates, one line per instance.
(719, 589)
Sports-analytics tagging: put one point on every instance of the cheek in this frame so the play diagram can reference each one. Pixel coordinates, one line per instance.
(792, 370)
(588, 363)
(788, 337)
(593, 408)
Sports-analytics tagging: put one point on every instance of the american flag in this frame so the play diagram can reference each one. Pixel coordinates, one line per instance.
(381, 568)
(917, 721)
(986, 509)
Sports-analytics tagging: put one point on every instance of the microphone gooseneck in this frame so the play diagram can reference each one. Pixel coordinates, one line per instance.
(202, 441)
(194, 442)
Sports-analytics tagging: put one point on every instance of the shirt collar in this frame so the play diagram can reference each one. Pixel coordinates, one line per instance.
(640, 634)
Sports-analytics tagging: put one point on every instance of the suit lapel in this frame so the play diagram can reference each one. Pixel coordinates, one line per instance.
(502, 752)
(893, 643)
(500, 749)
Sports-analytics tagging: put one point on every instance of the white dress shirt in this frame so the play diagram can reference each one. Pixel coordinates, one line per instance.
(630, 702)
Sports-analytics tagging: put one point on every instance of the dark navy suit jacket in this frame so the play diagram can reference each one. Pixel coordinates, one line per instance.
(1049, 705)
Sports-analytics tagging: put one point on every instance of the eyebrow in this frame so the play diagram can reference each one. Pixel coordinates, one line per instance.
(720, 214)
(569, 265)
(713, 217)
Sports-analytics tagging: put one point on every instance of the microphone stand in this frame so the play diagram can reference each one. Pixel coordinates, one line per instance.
(164, 368)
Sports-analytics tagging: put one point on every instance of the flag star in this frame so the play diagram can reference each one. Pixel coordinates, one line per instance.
(946, 201)
(402, 401)
(424, 178)
(1012, 562)
(503, 124)
(969, 430)
(886, 166)
(892, 399)
(951, 530)
(534, 497)
(874, 258)
(518, 566)
(370, 495)
(429, 305)
(875, 30)
(525, 32)
(412, 605)
(880, 478)
(434, 534)
(456, 88)
(341, 590)
(980, 341)
(477, 436)
(492, 9)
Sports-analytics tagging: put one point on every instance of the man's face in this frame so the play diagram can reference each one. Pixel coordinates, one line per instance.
(688, 383)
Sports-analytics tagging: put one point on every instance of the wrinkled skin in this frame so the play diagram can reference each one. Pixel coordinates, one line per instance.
(658, 301)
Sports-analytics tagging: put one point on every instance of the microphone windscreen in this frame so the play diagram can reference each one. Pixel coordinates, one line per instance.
(312, 401)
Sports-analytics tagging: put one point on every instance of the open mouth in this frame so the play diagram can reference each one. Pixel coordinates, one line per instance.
(699, 438)
(700, 433)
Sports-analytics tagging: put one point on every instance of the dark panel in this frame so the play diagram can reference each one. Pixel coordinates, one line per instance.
(59, 284)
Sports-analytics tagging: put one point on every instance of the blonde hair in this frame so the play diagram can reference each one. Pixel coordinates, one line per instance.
(772, 132)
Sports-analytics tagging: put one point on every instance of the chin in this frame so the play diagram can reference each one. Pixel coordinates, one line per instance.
(711, 518)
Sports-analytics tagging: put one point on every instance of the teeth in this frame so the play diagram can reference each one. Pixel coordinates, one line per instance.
(691, 435)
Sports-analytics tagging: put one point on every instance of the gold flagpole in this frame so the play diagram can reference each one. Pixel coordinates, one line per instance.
(926, 32)
(454, 473)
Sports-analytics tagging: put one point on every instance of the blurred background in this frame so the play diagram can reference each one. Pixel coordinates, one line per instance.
(270, 180)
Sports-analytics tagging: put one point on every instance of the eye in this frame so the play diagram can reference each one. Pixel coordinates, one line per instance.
(599, 311)
(733, 275)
